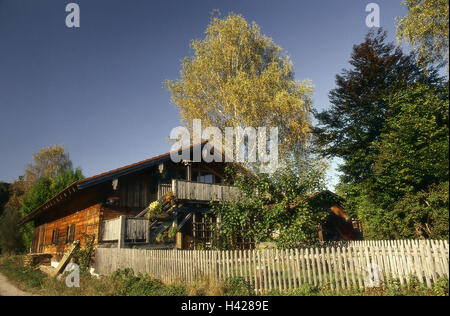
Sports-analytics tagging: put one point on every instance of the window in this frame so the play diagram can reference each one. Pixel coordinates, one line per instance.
(206, 178)
(70, 233)
(182, 174)
(203, 177)
(55, 236)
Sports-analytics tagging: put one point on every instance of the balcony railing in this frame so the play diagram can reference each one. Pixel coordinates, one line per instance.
(196, 191)
(163, 189)
(131, 229)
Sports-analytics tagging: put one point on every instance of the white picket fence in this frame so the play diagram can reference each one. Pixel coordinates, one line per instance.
(351, 264)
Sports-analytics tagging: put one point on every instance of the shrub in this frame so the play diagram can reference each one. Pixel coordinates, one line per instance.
(129, 284)
(205, 286)
(237, 287)
(83, 257)
(441, 287)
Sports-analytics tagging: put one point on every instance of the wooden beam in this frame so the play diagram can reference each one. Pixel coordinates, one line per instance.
(123, 231)
(66, 258)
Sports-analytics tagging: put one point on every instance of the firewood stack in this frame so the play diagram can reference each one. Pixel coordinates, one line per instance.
(32, 260)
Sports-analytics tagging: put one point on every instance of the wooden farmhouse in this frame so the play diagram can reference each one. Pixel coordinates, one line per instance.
(94, 206)
(113, 208)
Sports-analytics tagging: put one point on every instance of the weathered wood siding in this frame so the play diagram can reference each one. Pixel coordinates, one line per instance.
(185, 190)
(136, 229)
(137, 191)
(110, 230)
(86, 222)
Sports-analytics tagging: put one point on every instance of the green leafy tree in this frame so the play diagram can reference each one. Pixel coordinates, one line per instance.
(4, 195)
(240, 77)
(49, 162)
(46, 188)
(424, 214)
(276, 208)
(414, 145)
(49, 173)
(41, 192)
(425, 28)
(11, 238)
(407, 194)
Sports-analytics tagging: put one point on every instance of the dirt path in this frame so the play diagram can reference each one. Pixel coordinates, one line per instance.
(7, 289)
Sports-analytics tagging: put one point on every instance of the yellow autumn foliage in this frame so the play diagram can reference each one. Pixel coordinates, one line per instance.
(426, 29)
(240, 77)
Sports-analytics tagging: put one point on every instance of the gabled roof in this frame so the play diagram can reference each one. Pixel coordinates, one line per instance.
(86, 183)
(94, 180)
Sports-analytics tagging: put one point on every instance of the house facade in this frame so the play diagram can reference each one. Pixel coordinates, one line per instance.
(83, 210)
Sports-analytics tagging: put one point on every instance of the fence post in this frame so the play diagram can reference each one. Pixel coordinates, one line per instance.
(122, 232)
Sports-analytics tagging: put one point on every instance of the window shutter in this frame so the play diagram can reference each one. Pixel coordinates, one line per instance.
(71, 232)
(67, 234)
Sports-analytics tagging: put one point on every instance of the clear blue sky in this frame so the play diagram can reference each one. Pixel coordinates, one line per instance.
(98, 89)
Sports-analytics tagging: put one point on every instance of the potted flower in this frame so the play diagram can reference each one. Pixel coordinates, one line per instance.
(169, 196)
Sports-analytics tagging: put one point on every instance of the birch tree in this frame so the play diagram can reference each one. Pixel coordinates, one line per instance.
(239, 77)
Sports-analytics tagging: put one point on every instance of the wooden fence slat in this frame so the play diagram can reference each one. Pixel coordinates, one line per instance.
(269, 268)
(255, 272)
(308, 266)
(280, 287)
(346, 269)
(227, 260)
(224, 265)
(340, 268)
(313, 266)
(360, 267)
(330, 270)
(250, 269)
(431, 262)
(444, 259)
(285, 272)
(304, 272)
(437, 260)
(324, 265)
(352, 266)
(259, 270)
(264, 270)
(335, 268)
(241, 271)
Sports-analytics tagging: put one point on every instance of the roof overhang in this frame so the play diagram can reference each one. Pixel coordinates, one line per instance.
(86, 183)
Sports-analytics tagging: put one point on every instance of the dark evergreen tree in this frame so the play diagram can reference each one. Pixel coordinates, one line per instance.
(360, 103)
